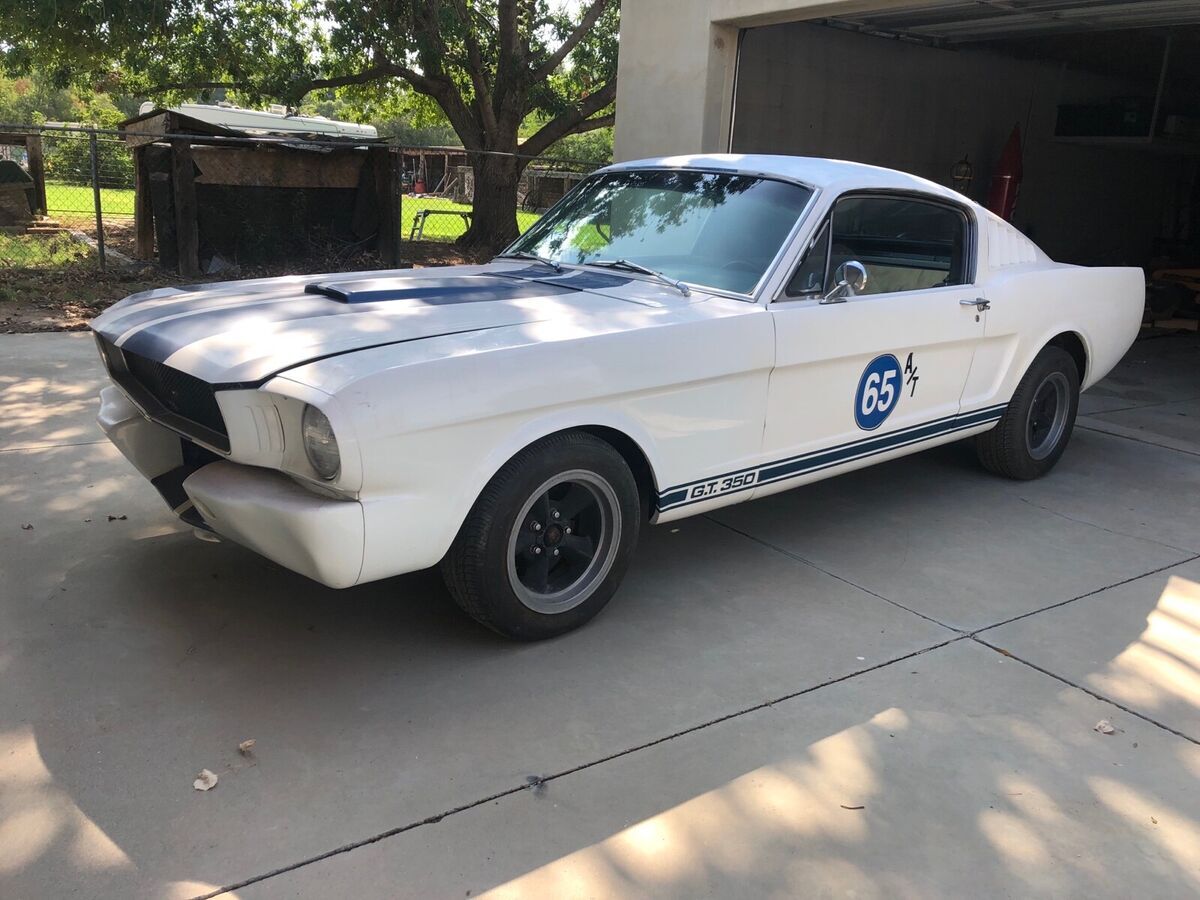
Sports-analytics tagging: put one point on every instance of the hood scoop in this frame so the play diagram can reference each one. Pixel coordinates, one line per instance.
(444, 292)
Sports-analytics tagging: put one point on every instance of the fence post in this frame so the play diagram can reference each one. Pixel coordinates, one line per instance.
(37, 169)
(96, 197)
(143, 207)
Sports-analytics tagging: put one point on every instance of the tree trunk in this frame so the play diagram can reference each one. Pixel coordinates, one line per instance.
(494, 213)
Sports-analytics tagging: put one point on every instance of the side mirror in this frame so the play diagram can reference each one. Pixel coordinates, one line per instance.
(849, 278)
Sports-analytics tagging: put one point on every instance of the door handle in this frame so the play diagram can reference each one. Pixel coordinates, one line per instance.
(979, 303)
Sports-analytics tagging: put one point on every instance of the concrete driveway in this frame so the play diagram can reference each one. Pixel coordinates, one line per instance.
(883, 685)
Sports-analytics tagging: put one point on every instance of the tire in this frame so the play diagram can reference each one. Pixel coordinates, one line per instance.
(528, 574)
(1035, 428)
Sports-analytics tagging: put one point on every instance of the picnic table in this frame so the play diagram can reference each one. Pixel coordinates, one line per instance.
(417, 230)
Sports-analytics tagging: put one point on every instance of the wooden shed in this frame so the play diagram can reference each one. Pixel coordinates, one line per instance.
(206, 192)
(31, 142)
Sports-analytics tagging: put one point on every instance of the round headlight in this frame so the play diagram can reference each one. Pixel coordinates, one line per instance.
(320, 444)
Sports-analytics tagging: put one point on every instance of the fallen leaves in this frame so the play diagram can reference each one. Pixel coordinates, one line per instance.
(246, 748)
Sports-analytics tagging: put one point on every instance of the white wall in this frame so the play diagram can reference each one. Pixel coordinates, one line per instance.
(812, 90)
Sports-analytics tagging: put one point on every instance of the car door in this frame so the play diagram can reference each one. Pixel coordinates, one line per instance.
(862, 375)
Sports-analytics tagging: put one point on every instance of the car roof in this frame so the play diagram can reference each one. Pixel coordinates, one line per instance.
(836, 175)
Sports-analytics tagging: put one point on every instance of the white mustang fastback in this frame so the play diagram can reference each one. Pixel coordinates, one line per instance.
(674, 336)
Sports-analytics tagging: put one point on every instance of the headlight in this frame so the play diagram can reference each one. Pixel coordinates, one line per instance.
(320, 444)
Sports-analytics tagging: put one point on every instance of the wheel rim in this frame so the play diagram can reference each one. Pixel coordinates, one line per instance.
(563, 543)
(1048, 415)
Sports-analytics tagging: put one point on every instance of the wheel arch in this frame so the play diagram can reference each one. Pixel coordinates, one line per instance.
(1072, 342)
(622, 435)
(634, 456)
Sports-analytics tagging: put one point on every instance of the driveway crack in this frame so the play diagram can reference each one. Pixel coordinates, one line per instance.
(1091, 593)
(1134, 537)
(1086, 690)
(541, 781)
(808, 562)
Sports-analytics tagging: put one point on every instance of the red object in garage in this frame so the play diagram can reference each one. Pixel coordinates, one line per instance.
(1006, 183)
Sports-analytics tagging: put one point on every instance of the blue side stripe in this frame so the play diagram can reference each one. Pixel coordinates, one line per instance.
(817, 460)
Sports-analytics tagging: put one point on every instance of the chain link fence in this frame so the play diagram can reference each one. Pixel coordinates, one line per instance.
(438, 189)
(62, 193)
(220, 204)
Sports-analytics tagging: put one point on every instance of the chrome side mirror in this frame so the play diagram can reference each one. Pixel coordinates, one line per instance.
(849, 278)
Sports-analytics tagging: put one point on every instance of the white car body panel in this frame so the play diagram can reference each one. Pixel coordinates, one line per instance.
(433, 379)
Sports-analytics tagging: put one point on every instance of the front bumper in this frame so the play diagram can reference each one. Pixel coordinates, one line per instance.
(258, 508)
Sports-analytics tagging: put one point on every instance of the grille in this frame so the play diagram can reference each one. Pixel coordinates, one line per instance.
(178, 399)
(178, 392)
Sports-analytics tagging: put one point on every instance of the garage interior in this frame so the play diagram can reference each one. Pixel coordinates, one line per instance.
(1105, 96)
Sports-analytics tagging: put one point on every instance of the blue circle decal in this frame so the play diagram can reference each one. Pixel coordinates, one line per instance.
(878, 392)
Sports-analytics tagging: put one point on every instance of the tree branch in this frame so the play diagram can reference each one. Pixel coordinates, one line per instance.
(432, 53)
(590, 17)
(598, 122)
(192, 86)
(476, 69)
(378, 72)
(571, 121)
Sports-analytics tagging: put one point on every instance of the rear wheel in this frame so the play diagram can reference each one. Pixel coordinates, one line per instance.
(1035, 428)
(548, 541)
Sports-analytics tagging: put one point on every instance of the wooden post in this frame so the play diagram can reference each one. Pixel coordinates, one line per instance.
(143, 207)
(96, 199)
(386, 166)
(37, 170)
(186, 230)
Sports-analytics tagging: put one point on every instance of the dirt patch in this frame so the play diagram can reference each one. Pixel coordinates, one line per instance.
(68, 297)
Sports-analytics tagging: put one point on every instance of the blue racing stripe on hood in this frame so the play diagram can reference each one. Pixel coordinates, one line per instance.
(184, 324)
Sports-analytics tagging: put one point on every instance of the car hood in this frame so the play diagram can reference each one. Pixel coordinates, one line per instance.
(245, 332)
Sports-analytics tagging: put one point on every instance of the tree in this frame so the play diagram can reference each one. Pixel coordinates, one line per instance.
(36, 99)
(487, 64)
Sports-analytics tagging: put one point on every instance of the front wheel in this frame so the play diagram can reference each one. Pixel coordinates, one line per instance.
(548, 541)
(1035, 428)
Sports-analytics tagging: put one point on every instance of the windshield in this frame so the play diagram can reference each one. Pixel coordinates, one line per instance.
(711, 229)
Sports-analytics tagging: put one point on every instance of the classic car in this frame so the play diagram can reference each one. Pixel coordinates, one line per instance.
(675, 335)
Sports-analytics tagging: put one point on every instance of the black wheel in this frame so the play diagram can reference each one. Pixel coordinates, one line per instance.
(548, 541)
(1034, 430)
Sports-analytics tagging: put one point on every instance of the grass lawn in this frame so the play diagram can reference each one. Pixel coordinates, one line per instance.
(19, 251)
(445, 228)
(75, 201)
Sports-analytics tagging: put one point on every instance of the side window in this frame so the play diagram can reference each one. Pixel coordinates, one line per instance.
(810, 276)
(905, 245)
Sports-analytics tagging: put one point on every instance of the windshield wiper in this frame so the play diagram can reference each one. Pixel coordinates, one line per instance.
(525, 254)
(629, 266)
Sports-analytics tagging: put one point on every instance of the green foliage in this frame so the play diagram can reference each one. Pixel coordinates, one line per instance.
(39, 98)
(174, 50)
(592, 147)
(486, 65)
(40, 252)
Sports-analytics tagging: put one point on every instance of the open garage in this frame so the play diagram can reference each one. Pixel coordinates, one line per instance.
(1079, 121)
